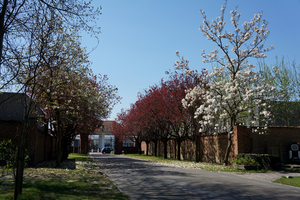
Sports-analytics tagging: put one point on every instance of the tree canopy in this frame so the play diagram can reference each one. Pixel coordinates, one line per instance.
(235, 93)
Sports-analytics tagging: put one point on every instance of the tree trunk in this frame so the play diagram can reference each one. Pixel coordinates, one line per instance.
(147, 148)
(175, 149)
(20, 171)
(225, 161)
(178, 149)
(165, 149)
(20, 160)
(58, 151)
(65, 149)
(155, 148)
(2, 31)
(58, 141)
(196, 149)
(139, 148)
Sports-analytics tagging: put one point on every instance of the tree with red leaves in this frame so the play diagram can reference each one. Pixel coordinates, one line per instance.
(158, 115)
(180, 120)
(129, 126)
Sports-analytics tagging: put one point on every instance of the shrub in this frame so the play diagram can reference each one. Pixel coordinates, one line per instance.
(245, 161)
(8, 153)
(266, 161)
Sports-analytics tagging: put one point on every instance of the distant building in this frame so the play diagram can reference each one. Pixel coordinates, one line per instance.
(100, 138)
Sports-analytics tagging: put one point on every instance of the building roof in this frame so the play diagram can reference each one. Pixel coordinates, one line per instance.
(107, 128)
(13, 106)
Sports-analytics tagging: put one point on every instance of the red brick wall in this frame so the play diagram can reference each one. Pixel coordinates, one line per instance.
(84, 143)
(244, 139)
(39, 147)
(34, 139)
(50, 147)
(275, 142)
(212, 148)
(144, 147)
(187, 149)
(44, 147)
(10, 130)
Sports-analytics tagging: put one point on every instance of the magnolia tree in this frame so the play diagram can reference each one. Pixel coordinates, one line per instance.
(234, 93)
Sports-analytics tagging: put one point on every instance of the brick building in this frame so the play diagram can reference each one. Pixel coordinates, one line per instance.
(212, 148)
(86, 145)
(39, 144)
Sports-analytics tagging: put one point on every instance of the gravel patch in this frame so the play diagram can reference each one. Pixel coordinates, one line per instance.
(268, 176)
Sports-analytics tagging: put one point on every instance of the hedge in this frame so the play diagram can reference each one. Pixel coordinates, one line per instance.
(266, 161)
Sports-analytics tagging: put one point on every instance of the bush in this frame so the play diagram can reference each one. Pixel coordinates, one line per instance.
(266, 161)
(8, 153)
(245, 161)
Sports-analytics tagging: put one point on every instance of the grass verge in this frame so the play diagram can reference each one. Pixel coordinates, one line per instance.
(79, 157)
(191, 164)
(201, 165)
(84, 182)
(293, 181)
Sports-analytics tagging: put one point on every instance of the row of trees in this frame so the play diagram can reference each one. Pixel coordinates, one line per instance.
(285, 76)
(158, 114)
(41, 55)
(195, 104)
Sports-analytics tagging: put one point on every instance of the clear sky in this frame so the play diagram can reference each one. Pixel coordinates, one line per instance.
(139, 38)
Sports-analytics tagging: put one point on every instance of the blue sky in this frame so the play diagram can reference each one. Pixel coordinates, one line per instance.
(139, 38)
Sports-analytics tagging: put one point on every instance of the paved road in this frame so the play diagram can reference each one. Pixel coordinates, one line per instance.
(140, 179)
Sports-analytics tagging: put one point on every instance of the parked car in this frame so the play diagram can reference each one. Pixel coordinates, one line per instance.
(106, 150)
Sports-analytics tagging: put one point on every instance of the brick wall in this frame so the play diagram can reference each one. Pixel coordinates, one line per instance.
(44, 147)
(11, 130)
(275, 142)
(39, 145)
(212, 148)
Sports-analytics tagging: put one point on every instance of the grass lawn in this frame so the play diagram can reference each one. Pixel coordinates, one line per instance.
(295, 181)
(84, 182)
(79, 157)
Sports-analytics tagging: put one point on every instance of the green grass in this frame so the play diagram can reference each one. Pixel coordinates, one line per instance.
(292, 170)
(295, 181)
(84, 182)
(191, 164)
(79, 157)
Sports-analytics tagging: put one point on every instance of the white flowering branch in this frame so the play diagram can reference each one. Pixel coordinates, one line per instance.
(234, 94)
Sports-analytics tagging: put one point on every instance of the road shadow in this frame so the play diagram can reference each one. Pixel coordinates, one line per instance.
(141, 179)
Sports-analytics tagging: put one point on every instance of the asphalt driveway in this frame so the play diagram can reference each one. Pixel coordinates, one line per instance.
(140, 179)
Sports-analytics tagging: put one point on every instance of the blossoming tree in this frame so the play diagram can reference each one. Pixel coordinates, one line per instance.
(60, 82)
(235, 94)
